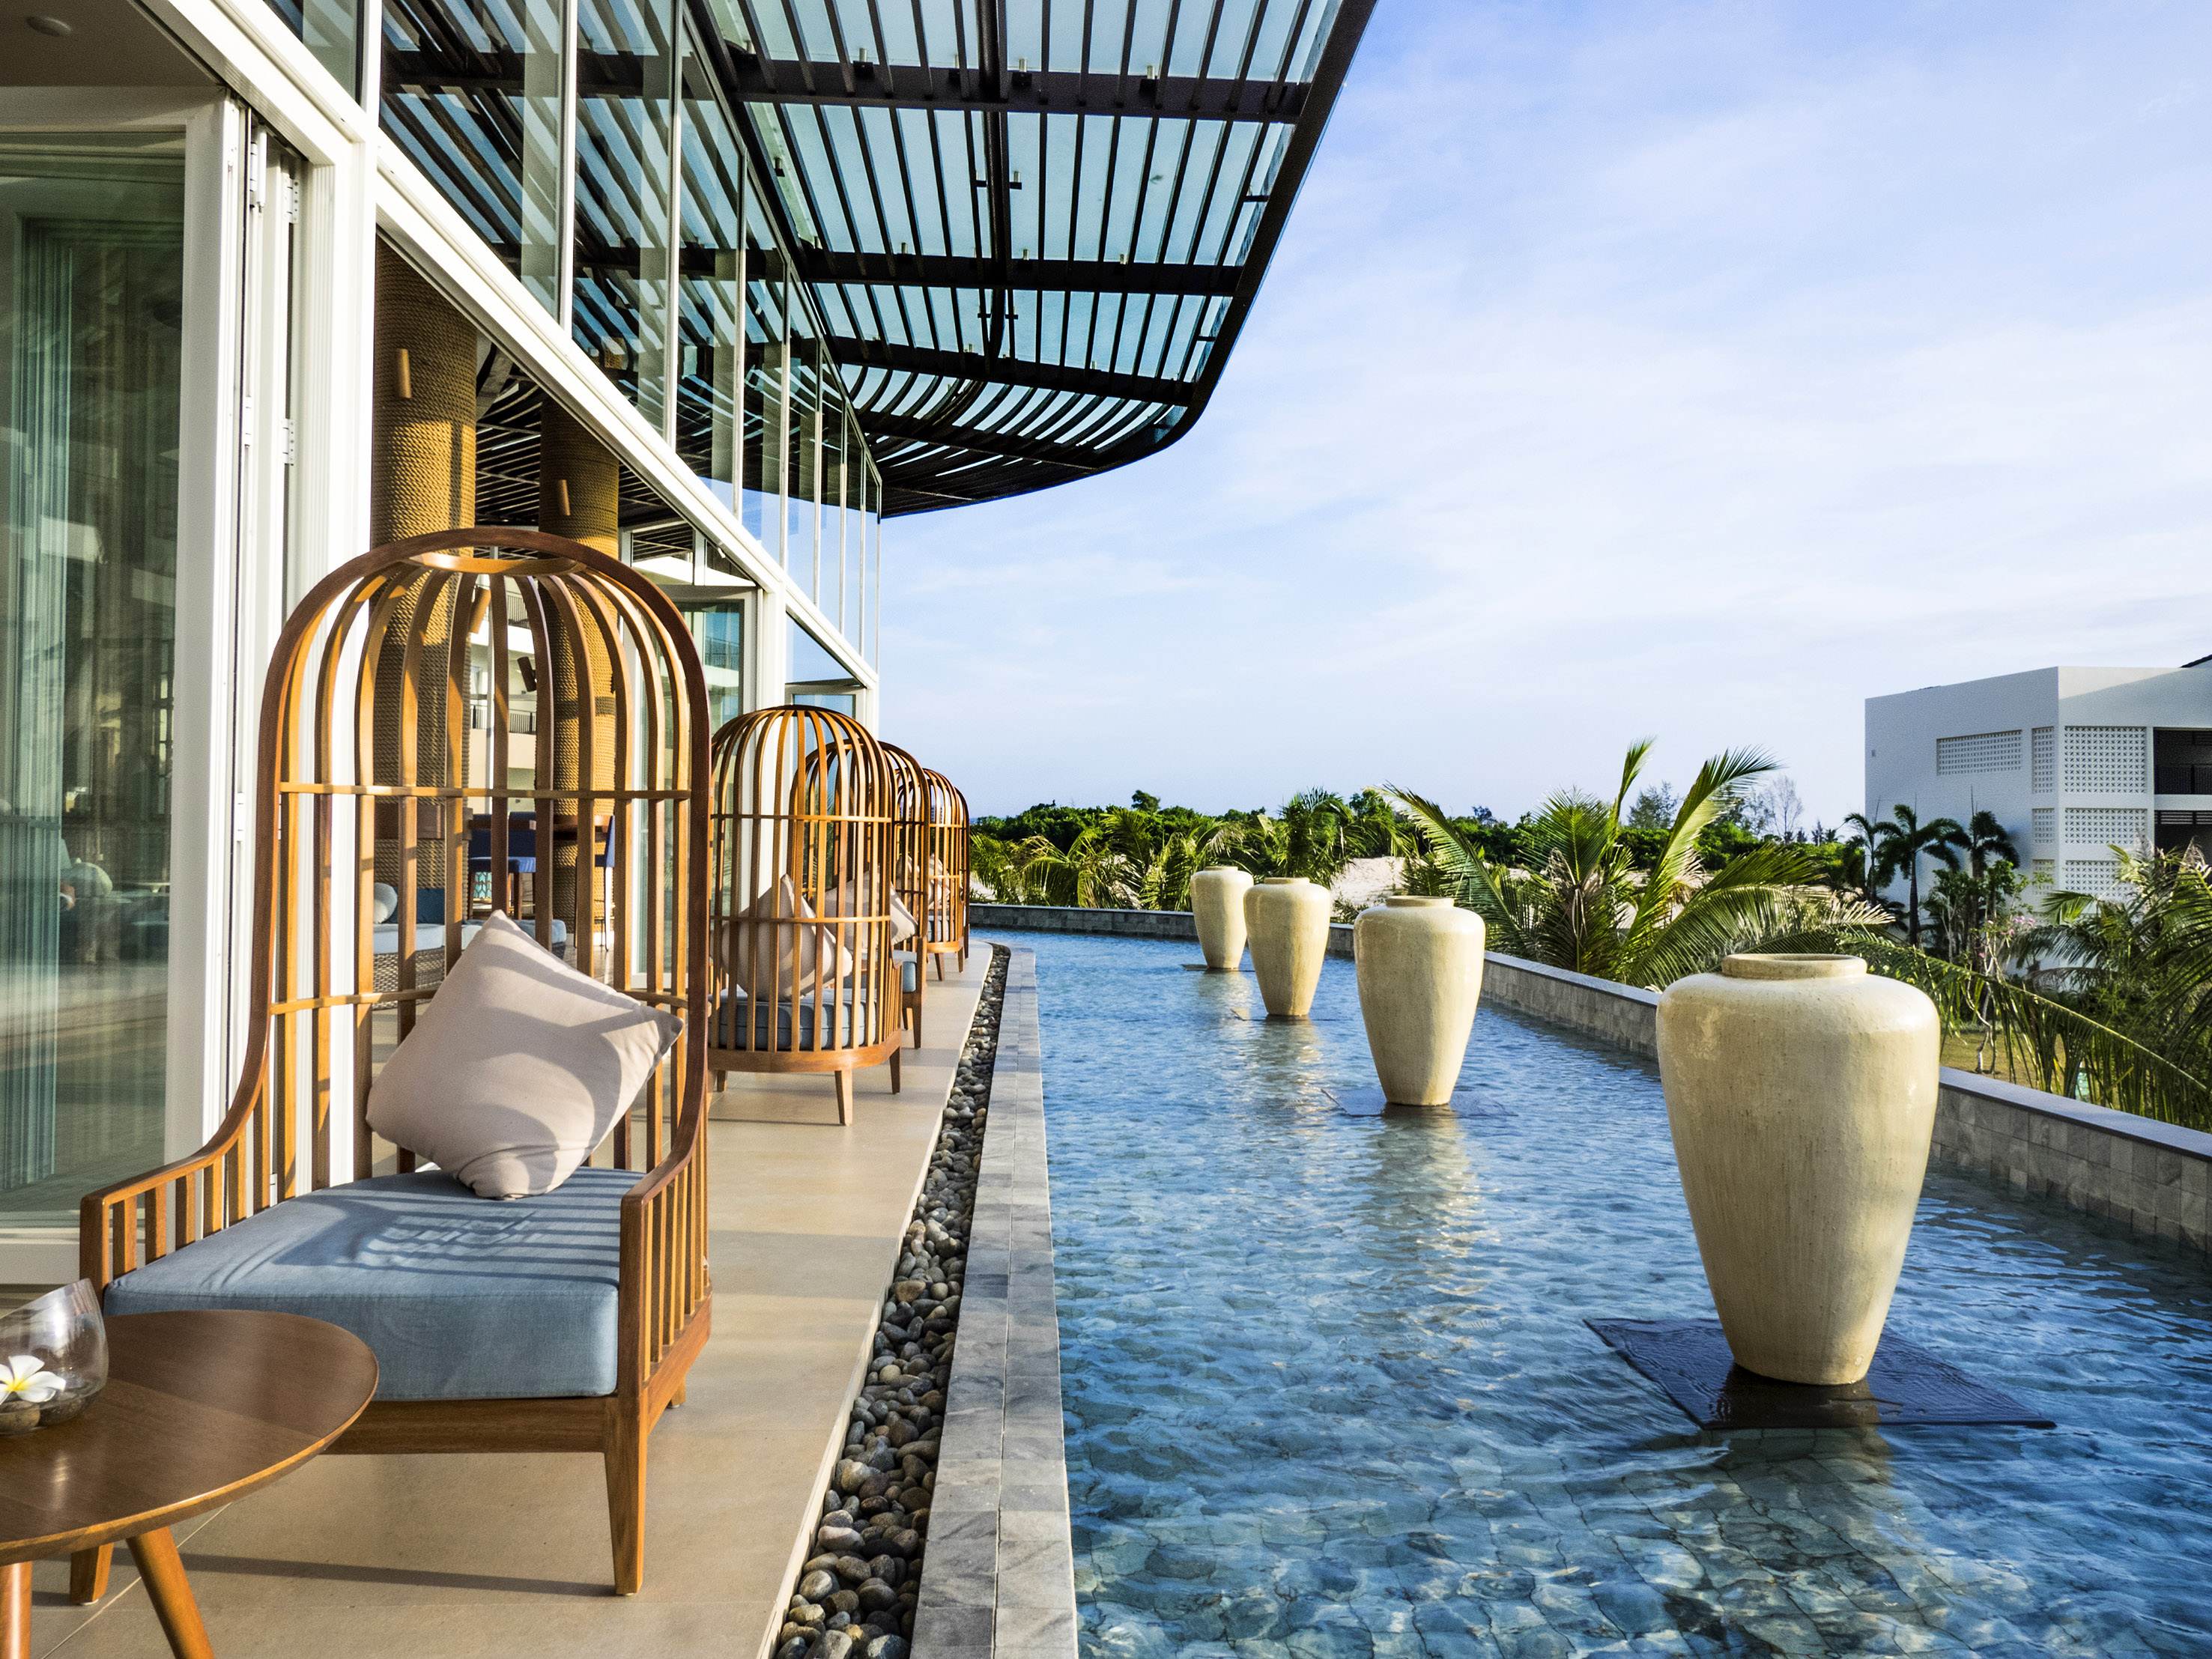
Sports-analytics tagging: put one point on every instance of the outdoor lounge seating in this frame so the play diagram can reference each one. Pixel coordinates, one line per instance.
(910, 860)
(564, 1321)
(944, 914)
(802, 916)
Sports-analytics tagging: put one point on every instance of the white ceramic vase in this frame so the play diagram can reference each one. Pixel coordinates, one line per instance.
(1801, 1092)
(1418, 962)
(1217, 904)
(1286, 921)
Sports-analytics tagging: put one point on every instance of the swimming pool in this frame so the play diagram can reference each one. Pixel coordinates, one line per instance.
(1329, 1391)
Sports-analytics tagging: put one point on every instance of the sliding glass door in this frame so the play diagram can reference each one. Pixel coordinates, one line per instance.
(91, 260)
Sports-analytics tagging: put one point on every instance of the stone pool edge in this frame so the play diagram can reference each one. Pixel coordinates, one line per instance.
(999, 1576)
(2154, 1178)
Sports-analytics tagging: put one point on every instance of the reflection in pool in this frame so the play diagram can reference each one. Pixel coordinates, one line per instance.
(1329, 1391)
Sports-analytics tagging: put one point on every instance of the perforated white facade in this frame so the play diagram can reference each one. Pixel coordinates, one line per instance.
(2108, 759)
(2108, 826)
(2071, 763)
(2098, 877)
(1983, 751)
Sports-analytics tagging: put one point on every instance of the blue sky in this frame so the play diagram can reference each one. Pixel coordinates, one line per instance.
(1691, 370)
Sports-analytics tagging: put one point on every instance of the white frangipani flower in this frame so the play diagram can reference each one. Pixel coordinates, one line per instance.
(27, 1375)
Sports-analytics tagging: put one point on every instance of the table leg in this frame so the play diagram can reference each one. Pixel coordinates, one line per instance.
(15, 1611)
(163, 1571)
(89, 1574)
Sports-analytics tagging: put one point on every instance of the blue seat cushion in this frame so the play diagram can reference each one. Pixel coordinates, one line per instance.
(730, 1023)
(460, 1297)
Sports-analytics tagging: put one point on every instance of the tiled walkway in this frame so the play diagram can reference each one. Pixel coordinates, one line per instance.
(508, 1555)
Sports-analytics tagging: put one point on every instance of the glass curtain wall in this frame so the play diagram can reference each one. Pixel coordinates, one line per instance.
(589, 141)
(330, 30)
(92, 230)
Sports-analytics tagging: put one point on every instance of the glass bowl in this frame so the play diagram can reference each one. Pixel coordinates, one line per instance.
(53, 1358)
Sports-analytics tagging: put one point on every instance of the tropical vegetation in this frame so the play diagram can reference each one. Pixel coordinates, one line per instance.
(2107, 1000)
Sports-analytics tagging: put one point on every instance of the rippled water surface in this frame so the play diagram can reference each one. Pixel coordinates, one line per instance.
(1329, 1391)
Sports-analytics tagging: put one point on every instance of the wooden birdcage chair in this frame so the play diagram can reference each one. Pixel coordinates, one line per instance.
(384, 750)
(909, 866)
(945, 915)
(800, 912)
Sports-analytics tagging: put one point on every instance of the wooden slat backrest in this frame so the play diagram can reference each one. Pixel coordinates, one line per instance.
(803, 845)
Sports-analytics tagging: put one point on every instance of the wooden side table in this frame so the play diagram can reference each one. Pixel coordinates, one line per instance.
(199, 1408)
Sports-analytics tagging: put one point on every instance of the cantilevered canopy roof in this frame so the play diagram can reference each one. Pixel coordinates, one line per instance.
(1033, 228)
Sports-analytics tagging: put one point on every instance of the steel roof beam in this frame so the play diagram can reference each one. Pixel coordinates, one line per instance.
(787, 80)
(1060, 92)
(1006, 371)
(1052, 275)
(892, 430)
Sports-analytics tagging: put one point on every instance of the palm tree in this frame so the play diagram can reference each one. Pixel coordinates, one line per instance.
(1899, 843)
(1584, 907)
(1984, 839)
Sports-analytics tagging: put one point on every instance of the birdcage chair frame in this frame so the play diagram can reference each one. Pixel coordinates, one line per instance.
(319, 1013)
(909, 864)
(944, 917)
(799, 812)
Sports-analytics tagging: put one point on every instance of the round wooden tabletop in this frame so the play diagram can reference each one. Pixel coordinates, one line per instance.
(199, 1408)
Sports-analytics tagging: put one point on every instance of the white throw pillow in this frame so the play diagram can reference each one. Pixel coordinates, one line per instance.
(766, 937)
(844, 903)
(518, 1068)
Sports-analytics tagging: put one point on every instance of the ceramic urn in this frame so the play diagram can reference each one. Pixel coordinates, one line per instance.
(1801, 1092)
(1217, 904)
(1418, 962)
(1286, 921)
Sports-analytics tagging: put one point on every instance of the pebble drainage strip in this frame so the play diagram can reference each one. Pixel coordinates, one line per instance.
(857, 1592)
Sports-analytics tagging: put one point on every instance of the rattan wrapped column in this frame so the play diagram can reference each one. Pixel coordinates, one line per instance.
(800, 907)
(944, 919)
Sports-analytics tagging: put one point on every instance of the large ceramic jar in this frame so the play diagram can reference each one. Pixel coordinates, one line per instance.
(1418, 962)
(1801, 1091)
(1217, 904)
(1286, 919)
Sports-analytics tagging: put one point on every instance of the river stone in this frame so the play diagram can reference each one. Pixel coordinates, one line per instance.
(852, 1569)
(908, 1542)
(889, 1568)
(831, 1645)
(816, 1585)
(845, 1600)
(899, 1432)
(851, 1474)
(838, 1540)
(794, 1649)
(907, 1289)
(805, 1613)
(885, 1647)
(875, 1596)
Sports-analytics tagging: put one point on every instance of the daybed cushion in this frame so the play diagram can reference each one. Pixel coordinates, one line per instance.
(459, 1298)
(516, 1068)
(729, 1024)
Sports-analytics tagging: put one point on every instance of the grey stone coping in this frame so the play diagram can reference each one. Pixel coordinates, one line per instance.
(999, 1577)
(1634, 993)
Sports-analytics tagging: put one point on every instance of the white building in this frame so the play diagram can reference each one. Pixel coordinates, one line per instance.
(2074, 762)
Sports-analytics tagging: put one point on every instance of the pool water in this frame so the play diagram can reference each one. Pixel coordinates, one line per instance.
(1329, 1391)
